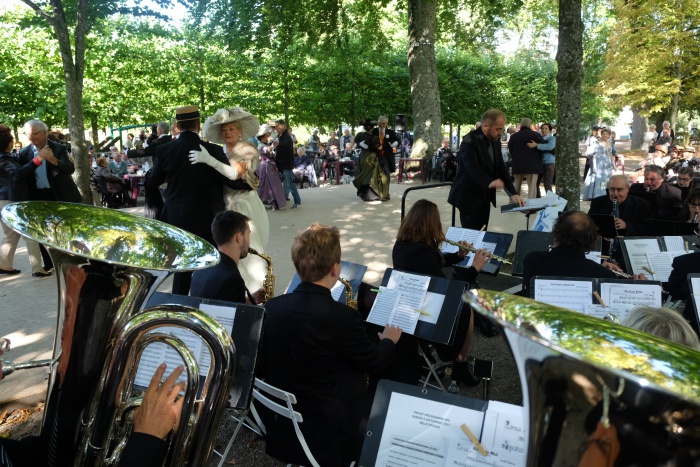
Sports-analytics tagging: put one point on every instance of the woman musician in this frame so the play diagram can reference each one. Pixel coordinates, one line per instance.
(691, 208)
(417, 250)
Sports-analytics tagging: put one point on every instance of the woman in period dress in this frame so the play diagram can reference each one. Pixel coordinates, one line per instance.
(232, 127)
(271, 191)
(602, 163)
(371, 181)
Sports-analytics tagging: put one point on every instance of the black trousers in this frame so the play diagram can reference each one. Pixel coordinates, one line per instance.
(475, 217)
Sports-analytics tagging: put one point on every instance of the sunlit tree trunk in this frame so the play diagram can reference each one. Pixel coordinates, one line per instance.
(639, 127)
(569, 78)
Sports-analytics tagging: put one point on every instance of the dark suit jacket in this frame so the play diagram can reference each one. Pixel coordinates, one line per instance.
(525, 160)
(61, 183)
(143, 450)
(195, 191)
(222, 282)
(669, 198)
(284, 153)
(476, 170)
(318, 349)
(150, 151)
(678, 285)
(561, 261)
(633, 211)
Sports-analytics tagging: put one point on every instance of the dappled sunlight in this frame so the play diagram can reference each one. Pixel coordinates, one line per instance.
(19, 338)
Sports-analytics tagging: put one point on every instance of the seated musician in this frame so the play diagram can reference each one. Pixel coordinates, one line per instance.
(669, 197)
(678, 285)
(575, 234)
(417, 249)
(231, 233)
(632, 212)
(663, 322)
(691, 208)
(684, 181)
(318, 349)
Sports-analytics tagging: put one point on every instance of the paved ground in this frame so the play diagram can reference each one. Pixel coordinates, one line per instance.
(28, 305)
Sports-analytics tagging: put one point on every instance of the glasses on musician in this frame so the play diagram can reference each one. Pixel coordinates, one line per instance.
(694, 205)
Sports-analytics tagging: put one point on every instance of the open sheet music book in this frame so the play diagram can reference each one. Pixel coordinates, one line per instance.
(157, 353)
(694, 280)
(550, 200)
(497, 244)
(403, 302)
(427, 429)
(653, 256)
(619, 295)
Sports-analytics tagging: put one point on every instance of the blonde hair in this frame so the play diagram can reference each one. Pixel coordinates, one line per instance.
(315, 251)
(663, 322)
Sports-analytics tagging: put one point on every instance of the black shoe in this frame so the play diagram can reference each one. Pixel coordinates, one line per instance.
(462, 375)
(10, 272)
(41, 274)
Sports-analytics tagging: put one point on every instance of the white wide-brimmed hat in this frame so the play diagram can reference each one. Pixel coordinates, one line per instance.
(265, 129)
(212, 127)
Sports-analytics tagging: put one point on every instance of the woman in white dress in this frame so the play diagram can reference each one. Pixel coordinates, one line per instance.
(232, 127)
(650, 137)
(602, 163)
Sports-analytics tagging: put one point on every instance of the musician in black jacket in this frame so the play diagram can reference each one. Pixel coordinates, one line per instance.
(669, 197)
(480, 171)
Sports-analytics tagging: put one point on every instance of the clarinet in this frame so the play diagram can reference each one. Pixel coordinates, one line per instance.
(695, 219)
(616, 214)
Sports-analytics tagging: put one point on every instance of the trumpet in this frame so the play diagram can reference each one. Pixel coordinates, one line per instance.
(474, 250)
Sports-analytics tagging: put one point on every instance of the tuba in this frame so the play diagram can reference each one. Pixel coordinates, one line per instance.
(269, 282)
(108, 263)
(591, 384)
(348, 293)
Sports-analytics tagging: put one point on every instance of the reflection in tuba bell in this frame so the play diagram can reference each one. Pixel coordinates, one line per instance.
(582, 376)
(108, 263)
(269, 282)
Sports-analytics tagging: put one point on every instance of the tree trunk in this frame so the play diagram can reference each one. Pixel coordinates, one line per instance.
(569, 78)
(427, 117)
(639, 127)
(95, 131)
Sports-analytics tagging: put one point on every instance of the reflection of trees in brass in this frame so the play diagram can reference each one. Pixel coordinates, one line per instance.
(110, 235)
(672, 366)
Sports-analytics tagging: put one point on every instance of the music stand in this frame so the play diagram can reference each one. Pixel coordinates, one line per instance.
(605, 224)
(528, 212)
(648, 196)
(661, 228)
(529, 241)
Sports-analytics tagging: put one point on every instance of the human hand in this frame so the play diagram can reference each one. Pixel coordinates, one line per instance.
(620, 224)
(201, 156)
(259, 296)
(390, 332)
(498, 183)
(161, 408)
(516, 199)
(481, 257)
(640, 277)
(531, 145)
(48, 155)
(613, 266)
(363, 145)
(461, 252)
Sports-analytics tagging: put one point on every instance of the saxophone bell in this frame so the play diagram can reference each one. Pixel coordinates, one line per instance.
(348, 293)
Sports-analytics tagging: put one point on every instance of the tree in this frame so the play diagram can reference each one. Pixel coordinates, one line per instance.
(569, 78)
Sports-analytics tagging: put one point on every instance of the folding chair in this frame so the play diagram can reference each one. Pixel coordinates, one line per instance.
(432, 370)
(260, 393)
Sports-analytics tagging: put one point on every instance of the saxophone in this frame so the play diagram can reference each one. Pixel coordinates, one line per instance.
(348, 293)
(269, 282)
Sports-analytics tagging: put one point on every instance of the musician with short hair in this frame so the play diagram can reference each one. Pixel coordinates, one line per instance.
(319, 350)
(669, 197)
(231, 233)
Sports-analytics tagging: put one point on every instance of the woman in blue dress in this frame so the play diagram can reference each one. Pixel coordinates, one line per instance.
(602, 166)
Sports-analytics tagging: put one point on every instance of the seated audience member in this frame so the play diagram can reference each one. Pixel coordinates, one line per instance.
(691, 208)
(678, 285)
(633, 211)
(447, 160)
(117, 165)
(304, 167)
(318, 349)
(669, 197)
(575, 234)
(322, 152)
(663, 322)
(417, 250)
(332, 140)
(231, 233)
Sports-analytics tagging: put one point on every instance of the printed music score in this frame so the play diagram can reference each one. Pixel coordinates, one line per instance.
(637, 250)
(398, 303)
(594, 256)
(157, 353)
(674, 243)
(475, 237)
(573, 295)
(662, 264)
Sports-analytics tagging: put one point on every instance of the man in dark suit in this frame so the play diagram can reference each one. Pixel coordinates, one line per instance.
(231, 233)
(669, 197)
(52, 180)
(527, 161)
(195, 191)
(679, 288)
(386, 153)
(480, 171)
(162, 130)
(284, 154)
(318, 349)
(632, 211)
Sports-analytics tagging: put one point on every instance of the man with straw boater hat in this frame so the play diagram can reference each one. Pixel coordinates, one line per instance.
(195, 192)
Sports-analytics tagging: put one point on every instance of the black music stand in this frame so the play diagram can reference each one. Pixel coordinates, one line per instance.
(605, 224)
(443, 331)
(649, 196)
(529, 241)
(694, 295)
(528, 212)
(247, 337)
(352, 271)
(671, 228)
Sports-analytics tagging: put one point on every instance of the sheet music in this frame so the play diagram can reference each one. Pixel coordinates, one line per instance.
(594, 256)
(674, 243)
(662, 264)
(637, 250)
(413, 285)
(550, 199)
(573, 295)
(597, 310)
(503, 436)
(627, 296)
(338, 289)
(157, 353)
(432, 305)
(396, 308)
(457, 234)
(383, 306)
(427, 433)
(695, 294)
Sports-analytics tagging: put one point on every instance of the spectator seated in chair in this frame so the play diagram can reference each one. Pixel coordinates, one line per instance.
(304, 169)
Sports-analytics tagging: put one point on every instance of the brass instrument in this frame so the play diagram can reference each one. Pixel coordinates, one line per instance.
(108, 263)
(578, 371)
(269, 282)
(474, 250)
(348, 293)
